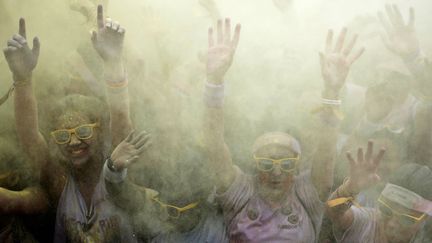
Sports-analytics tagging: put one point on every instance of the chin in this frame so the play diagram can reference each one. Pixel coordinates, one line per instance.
(79, 162)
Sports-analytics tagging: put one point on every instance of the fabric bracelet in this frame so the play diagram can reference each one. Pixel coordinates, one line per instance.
(407, 198)
(214, 95)
(342, 200)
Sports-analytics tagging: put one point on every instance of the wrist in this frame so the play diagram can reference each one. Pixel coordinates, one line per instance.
(348, 188)
(114, 72)
(215, 79)
(113, 166)
(22, 79)
(330, 94)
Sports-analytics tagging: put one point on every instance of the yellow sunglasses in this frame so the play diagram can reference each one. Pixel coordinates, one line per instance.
(403, 219)
(286, 164)
(173, 211)
(63, 136)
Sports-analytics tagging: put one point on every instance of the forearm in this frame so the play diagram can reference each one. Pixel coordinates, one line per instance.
(118, 101)
(26, 119)
(122, 192)
(341, 214)
(325, 154)
(28, 201)
(218, 152)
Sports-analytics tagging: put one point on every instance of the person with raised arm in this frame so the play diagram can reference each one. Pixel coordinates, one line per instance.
(403, 206)
(278, 203)
(79, 128)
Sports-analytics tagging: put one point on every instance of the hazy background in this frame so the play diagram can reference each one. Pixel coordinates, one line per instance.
(275, 71)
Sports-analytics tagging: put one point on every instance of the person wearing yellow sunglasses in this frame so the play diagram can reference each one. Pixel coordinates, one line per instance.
(402, 207)
(279, 202)
(179, 212)
(70, 161)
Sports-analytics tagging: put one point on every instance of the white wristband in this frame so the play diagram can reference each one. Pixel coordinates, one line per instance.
(330, 102)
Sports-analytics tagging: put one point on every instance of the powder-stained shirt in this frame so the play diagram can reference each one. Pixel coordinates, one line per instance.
(210, 229)
(366, 227)
(250, 219)
(102, 222)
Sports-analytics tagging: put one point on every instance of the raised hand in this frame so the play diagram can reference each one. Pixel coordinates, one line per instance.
(20, 58)
(108, 40)
(363, 170)
(401, 37)
(337, 60)
(221, 50)
(129, 150)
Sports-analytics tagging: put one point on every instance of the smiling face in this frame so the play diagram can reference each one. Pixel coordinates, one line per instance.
(78, 151)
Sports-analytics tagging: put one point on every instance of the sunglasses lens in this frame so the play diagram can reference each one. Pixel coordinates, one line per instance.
(288, 164)
(265, 164)
(84, 132)
(406, 221)
(172, 212)
(61, 136)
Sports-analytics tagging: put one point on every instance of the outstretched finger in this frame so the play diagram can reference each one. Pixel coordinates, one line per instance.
(219, 32)
(144, 148)
(391, 15)
(36, 47)
(138, 137)
(369, 151)
(411, 17)
(350, 46)
(360, 155)
(384, 22)
(227, 35)
(379, 156)
(94, 37)
(356, 56)
(130, 136)
(351, 160)
(143, 141)
(100, 18)
(210, 37)
(236, 37)
(341, 40)
(329, 41)
(22, 28)
(398, 16)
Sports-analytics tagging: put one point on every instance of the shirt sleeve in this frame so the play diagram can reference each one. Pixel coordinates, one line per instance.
(309, 197)
(237, 195)
(362, 229)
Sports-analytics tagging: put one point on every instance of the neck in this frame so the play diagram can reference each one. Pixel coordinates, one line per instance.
(90, 172)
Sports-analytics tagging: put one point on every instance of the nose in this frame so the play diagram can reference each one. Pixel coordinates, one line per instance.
(74, 140)
(276, 170)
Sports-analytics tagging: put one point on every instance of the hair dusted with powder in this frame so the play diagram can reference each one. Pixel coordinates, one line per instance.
(414, 177)
(90, 107)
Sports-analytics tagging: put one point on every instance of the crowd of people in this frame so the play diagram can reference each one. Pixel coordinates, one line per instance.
(78, 167)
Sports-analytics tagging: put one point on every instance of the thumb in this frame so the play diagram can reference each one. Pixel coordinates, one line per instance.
(94, 37)
(36, 47)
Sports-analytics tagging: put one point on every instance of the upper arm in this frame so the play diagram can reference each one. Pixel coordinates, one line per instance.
(127, 195)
